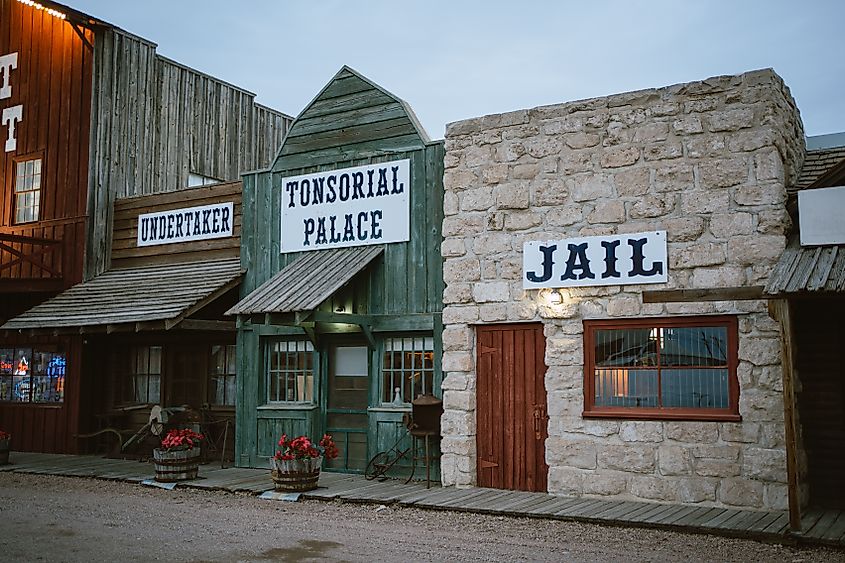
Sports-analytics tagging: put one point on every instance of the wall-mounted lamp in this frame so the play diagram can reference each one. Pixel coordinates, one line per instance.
(555, 297)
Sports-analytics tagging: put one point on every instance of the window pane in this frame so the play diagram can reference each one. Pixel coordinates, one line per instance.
(699, 346)
(626, 388)
(290, 374)
(629, 347)
(695, 388)
(408, 365)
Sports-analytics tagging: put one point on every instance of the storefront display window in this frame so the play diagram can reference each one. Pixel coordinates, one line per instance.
(223, 367)
(32, 375)
(408, 369)
(290, 372)
(661, 368)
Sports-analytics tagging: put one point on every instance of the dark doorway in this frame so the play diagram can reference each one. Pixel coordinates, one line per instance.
(821, 401)
(347, 399)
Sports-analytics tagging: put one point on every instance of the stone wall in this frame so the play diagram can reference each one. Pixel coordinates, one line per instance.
(706, 161)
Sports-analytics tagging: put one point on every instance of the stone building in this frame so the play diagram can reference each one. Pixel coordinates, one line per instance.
(668, 391)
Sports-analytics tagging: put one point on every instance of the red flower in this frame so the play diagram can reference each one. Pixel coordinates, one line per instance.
(302, 447)
(4, 435)
(181, 439)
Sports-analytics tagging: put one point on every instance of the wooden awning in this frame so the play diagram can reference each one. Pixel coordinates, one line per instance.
(808, 270)
(307, 282)
(149, 298)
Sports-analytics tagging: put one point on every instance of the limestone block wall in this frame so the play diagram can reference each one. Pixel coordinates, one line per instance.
(708, 162)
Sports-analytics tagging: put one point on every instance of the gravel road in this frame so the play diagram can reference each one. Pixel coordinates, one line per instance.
(45, 518)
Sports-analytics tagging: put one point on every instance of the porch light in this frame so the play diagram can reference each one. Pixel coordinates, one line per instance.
(37, 6)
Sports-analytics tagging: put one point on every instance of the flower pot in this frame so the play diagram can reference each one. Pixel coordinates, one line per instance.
(5, 446)
(295, 475)
(177, 465)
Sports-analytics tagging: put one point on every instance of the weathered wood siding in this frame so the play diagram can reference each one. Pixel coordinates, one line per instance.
(351, 122)
(126, 252)
(155, 121)
(53, 84)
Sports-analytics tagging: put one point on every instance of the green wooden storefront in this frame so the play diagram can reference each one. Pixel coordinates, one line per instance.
(334, 365)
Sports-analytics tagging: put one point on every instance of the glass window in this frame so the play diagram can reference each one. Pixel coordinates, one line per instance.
(145, 374)
(408, 369)
(674, 368)
(27, 190)
(32, 375)
(223, 369)
(290, 371)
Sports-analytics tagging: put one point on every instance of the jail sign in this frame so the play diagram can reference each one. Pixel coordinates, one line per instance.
(346, 207)
(606, 260)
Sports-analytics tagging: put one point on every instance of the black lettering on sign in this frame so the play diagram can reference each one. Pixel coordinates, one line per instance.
(153, 228)
(170, 225)
(309, 230)
(216, 221)
(548, 262)
(375, 217)
(291, 187)
(196, 223)
(348, 229)
(343, 191)
(317, 184)
(610, 247)
(304, 192)
(162, 227)
(179, 219)
(382, 182)
(370, 182)
(398, 187)
(335, 235)
(577, 261)
(331, 196)
(638, 258)
(321, 231)
(362, 228)
(206, 215)
(357, 184)
(226, 228)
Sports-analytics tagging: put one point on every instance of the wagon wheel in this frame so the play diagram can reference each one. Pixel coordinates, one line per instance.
(378, 466)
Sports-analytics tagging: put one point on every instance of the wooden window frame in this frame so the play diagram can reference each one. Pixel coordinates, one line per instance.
(227, 348)
(269, 346)
(730, 414)
(427, 375)
(15, 160)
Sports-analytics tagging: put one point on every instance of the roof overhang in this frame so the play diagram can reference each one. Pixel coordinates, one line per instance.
(304, 284)
(134, 299)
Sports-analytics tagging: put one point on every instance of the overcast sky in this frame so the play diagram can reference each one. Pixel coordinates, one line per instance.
(453, 60)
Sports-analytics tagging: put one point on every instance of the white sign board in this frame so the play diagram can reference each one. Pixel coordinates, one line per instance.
(184, 225)
(346, 207)
(607, 260)
(820, 216)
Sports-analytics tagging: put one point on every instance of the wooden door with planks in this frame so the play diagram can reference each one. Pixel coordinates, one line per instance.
(512, 415)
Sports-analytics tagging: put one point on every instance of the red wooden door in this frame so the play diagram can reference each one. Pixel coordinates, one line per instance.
(512, 416)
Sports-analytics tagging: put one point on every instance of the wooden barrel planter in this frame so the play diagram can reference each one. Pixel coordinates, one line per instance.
(5, 446)
(295, 475)
(179, 465)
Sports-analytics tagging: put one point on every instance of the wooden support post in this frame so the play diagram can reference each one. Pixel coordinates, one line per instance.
(780, 310)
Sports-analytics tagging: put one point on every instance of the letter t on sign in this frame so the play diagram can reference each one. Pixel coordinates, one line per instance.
(11, 117)
(7, 63)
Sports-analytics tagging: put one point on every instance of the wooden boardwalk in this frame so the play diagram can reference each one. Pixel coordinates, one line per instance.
(827, 527)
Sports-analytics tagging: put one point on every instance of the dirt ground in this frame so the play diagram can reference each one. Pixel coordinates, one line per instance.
(45, 518)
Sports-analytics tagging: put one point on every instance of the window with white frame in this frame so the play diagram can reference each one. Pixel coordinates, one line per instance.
(407, 369)
(290, 371)
(27, 190)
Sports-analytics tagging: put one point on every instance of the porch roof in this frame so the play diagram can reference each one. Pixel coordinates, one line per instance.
(152, 297)
(307, 282)
(808, 269)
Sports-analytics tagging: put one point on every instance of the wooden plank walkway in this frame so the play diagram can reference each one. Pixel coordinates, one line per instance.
(827, 527)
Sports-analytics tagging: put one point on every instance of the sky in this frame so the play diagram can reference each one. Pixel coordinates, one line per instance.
(454, 60)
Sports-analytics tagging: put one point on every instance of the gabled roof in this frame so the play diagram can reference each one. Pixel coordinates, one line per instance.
(818, 163)
(166, 294)
(307, 282)
(349, 114)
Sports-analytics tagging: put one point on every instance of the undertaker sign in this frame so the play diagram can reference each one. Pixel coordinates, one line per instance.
(346, 207)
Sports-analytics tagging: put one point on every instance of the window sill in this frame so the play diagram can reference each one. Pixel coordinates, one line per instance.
(390, 409)
(625, 414)
(287, 407)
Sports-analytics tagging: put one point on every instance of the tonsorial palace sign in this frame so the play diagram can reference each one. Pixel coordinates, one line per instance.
(346, 207)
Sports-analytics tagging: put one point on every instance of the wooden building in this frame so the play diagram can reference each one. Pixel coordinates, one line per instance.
(340, 317)
(807, 290)
(92, 114)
